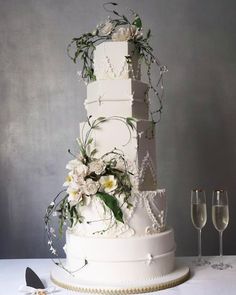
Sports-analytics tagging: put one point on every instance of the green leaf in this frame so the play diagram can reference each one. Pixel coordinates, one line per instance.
(112, 203)
(125, 18)
(148, 34)
(93, 152)
(115, 12)
(137, 22)
(101, 119)
(130, 121)
(90, 141)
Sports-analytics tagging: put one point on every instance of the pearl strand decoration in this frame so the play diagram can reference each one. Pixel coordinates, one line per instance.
(110, 67)
(147, 162)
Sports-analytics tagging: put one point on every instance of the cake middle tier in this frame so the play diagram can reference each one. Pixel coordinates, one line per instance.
(136, 143)
(114, 97)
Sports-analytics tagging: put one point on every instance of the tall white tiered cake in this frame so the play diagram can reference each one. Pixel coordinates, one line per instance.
(118, 239)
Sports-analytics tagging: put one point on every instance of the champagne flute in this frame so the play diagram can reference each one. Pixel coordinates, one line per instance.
(220, 218)
(199, 218)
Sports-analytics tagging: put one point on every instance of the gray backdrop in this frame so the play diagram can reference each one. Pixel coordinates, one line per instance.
(42, 105)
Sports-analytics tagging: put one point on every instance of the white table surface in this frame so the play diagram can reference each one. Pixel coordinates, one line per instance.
(204, 280)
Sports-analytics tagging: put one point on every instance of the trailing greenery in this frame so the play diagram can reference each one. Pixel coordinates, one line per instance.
(120, 28)
(106, 178)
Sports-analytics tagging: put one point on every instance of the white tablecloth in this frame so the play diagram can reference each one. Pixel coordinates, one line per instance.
(204, 280)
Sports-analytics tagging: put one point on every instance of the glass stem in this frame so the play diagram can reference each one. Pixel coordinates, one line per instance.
(199, 244)
(221, 246)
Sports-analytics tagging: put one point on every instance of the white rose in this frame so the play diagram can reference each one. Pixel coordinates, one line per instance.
(77, 167)
(81, 170)
(127, 33)
(98, 167)
(73, 164)
(108, 183)
(90, 187)
(120, 164)
(121, 34)
(106, 29)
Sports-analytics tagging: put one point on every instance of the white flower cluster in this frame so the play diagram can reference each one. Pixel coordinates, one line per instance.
(79, 183)
(122, 33)
(127, 33)
(106, 28)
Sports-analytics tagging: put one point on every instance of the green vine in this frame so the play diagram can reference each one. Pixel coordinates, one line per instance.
(81, 50)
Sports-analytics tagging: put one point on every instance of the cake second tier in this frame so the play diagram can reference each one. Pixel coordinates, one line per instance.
(114, 97)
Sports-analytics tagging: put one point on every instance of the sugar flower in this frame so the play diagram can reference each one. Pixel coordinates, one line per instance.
(77, 167)
(97, 166)
(106, 28)
(120, 164)
(108, 183)
(127, 33)
(90, 187)
(74, 193)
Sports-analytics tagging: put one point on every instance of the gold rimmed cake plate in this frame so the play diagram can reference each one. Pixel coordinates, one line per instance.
(65, 280)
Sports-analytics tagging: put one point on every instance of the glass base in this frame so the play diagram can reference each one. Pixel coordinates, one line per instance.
(200, 261)
(221, 266)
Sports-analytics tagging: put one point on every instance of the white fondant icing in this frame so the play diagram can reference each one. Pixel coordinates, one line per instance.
(141, 248)
(135, 144)
(115, 97)
(144, 213)
(121, 259)
(110, 61)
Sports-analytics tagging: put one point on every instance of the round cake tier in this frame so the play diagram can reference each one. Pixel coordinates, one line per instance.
(62, 278)
(118, 260)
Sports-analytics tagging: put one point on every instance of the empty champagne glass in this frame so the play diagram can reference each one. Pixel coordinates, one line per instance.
(199, 218)
(220, 218)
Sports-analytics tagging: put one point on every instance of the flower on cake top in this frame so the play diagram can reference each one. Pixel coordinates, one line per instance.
(119, 27)
(106, 28)
(127, 33)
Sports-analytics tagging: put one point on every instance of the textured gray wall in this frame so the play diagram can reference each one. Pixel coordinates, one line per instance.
(42, 104)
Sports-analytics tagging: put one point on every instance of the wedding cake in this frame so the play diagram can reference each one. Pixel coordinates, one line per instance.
(117, 237)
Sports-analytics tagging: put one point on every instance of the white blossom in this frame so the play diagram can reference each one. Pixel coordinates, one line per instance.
(90, 187)
(127, 33)
(120, 164)
(77, 167)
(97, 166)
(69, 179)
(74, 193)
(81, 170)
(106, 28)
(121, 34)
(72, 164)
(108, 183)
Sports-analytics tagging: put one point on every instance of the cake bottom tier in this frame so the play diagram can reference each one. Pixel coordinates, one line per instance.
(117, 260)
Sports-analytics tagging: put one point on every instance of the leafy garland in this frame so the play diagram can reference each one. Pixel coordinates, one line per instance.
(85, 45)
(66, 209)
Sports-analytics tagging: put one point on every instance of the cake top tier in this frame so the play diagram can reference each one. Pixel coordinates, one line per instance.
(115, 29)
(117, 49)
(116, 60)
